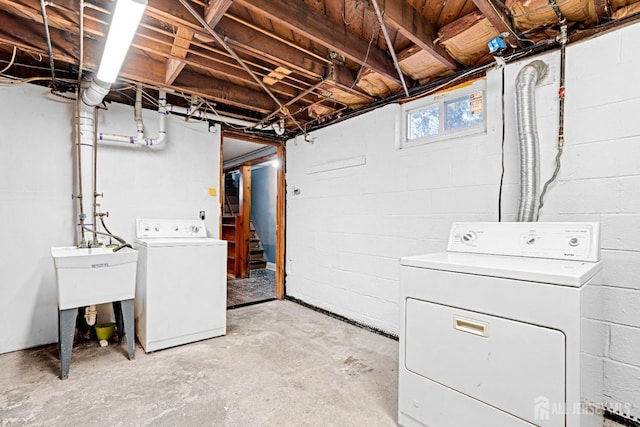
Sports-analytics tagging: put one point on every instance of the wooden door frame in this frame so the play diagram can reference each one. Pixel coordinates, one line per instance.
(280, 156)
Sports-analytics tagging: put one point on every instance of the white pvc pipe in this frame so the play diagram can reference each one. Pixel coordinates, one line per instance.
(137, 113)
(140, 139)
(202, 115)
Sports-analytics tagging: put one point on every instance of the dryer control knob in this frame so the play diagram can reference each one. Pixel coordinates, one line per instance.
(574, 241)
(195, 228)
(469, 237)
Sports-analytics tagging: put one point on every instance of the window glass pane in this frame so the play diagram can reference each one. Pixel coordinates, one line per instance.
(424, 122)
(458, 114)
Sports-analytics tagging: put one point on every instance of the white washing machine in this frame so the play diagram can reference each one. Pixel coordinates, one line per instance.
(490, 331)
(181, 289)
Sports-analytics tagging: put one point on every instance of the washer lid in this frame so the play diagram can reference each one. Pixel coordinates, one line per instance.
(180, 242)
(552, 271)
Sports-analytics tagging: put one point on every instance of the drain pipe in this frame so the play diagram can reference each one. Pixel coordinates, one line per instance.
(140, 139)
(137, 113)
(91, 94)
(528, 77)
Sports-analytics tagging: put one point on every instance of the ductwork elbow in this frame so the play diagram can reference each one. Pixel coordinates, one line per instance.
(528, 77)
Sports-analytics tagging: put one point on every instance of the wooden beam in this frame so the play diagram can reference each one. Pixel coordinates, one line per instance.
(160, 44)
(245, 213)
(222, 91)
(216, 10)
(499, 20)
(179, 49)
(29, 35)
(280, 223)
(407, 21)
(222, 67)
(311, 23)
(268, 48)
(276, 52)
(173, 69)
(213, 14)
(344, 79)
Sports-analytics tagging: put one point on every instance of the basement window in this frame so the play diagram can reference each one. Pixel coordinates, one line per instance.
(456, 113)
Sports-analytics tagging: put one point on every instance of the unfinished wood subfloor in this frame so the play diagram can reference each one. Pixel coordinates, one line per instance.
(280, 364)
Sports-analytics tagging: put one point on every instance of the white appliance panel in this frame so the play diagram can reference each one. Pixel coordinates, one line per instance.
(503, 363)
(524, 283)
(553, 240)
(541, 270)
(181, 292)
(424, 402)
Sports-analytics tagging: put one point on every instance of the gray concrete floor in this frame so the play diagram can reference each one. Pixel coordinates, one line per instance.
(280, 364)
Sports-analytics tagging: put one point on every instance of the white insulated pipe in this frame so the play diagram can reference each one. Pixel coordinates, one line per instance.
(528, 77)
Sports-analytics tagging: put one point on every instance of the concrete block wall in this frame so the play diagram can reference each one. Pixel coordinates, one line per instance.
(37, 142)
(600, 180)
(347, 228)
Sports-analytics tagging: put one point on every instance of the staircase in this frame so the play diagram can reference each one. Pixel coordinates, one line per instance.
(232, 233)
(256, 251)
(231, 196)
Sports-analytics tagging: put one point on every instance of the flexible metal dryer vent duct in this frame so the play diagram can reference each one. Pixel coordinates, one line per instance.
(530, 75)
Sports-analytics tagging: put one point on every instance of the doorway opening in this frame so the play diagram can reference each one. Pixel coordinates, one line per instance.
(252, 220)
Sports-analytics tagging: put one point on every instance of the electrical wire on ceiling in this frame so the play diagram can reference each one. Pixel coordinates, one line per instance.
(189, 98)
(10, 81)
(13, 57)
(43, 9)
(500, 15)
(366, 56)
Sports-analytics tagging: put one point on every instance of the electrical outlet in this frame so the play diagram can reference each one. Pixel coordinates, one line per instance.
(202, 215)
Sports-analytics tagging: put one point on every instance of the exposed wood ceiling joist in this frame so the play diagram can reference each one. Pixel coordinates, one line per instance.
(312, 24)
(407, 21)
(313, 59)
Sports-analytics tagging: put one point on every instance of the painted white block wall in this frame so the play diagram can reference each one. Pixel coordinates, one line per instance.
(36, 184)
(347, 228)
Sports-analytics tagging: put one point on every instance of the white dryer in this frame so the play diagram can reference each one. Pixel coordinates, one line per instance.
(181, 289)
(490, 331)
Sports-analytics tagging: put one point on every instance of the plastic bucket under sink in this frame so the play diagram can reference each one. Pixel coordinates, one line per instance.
(104, 331)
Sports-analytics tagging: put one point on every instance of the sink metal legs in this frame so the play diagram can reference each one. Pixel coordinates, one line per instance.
(123, 311)
(66, 330)
(124, 323)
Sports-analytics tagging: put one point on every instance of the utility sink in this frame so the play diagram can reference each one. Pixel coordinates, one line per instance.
(90, 276)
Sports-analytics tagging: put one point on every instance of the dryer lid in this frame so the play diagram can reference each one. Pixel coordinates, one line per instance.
(541, 270)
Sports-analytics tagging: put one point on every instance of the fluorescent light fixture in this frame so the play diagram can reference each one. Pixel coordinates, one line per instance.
(123, 27)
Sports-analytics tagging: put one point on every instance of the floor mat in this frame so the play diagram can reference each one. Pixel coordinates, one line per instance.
(259, 287)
